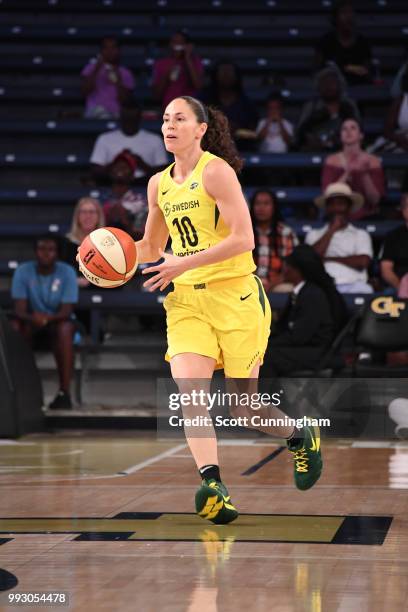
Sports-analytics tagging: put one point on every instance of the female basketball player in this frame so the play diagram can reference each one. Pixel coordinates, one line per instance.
(218, 314)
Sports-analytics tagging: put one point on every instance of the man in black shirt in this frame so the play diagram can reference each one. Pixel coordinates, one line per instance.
(394, 257)
(345, 47)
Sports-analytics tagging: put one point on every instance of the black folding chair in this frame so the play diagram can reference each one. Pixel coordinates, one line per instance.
(383, 328)
(331, 361)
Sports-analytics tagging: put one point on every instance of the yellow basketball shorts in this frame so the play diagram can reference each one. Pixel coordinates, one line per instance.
(228, 320)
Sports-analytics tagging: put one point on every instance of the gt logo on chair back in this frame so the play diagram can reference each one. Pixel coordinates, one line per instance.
(386, 306)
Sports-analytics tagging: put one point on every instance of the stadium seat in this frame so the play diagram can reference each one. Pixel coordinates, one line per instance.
(372, 126)
(62, 95)
(383, 328)
(78, 159)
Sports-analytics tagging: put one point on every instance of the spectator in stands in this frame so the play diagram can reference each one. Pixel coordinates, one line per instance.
(345, 47)
(124, 207)
(226, 93)
(394, 256)
(88, 216)
(396, 125)
(314, 313)
(396, 87)
(320, 120)
(274, 132)
(146, 148)
(105, 83)
(44, 293)
(273, 240)
(179, 74)
(345, 249)
(352, 165)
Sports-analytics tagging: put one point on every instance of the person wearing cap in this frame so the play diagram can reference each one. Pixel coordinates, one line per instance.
(313, 315)
(147, 148)
(123, 206)
(345, 249)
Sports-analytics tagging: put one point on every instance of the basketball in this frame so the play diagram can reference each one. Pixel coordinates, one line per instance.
(107, 257)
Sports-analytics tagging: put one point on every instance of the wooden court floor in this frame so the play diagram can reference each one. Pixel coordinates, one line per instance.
(109, 522)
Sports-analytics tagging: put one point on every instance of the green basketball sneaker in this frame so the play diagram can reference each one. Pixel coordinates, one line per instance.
(213, 503)
(307, 457)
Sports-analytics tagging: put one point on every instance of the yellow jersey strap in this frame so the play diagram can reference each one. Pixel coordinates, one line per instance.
(202, 162)
(166, 183)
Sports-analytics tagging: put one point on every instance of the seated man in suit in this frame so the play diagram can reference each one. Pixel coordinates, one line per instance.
(313, 315)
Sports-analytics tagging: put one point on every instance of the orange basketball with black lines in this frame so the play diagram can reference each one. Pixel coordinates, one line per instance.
(107, 257)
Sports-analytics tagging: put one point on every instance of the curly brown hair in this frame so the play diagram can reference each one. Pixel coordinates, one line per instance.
(217, 139)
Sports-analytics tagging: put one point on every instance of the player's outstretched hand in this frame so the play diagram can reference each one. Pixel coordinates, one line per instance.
(171, 267)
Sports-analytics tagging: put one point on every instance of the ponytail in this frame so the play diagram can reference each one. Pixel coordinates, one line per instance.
(217, 139)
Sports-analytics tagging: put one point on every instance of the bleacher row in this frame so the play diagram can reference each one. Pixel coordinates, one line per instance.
(62, 95)
(289, 196)
(265, 160)
(271, 34)
(43, 62)
(94, 127)
(135, 300)
(377, 228)
(166, 7)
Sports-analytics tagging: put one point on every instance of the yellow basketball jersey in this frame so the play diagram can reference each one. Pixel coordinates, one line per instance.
(195, 224)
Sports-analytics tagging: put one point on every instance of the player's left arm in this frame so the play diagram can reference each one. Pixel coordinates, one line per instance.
(221, 183)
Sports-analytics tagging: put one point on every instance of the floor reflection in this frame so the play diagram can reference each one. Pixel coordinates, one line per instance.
(398, 469)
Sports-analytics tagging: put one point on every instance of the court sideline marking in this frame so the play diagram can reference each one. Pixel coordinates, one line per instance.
(140, 466)
(131, 470)
(264, 461)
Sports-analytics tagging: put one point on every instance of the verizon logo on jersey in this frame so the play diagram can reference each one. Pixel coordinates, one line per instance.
(188, 252)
